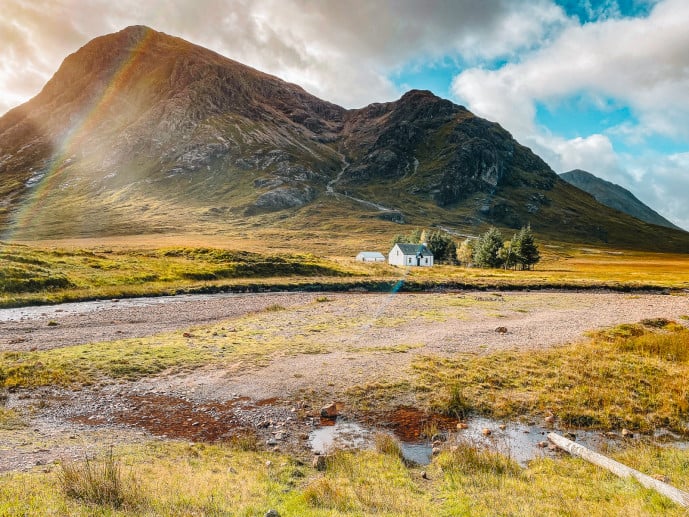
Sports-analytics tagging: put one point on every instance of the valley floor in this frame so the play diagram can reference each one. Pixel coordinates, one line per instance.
(301, 351)
(213, 403)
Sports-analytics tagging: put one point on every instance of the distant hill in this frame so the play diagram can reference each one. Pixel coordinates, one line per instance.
(615, 196)
(139, 132)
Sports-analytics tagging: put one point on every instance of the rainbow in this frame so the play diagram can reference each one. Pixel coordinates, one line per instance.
(93, 114)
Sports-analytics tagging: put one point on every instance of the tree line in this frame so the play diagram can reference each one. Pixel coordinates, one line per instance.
(489, 250)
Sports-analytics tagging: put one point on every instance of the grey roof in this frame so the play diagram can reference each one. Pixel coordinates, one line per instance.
(371, 254)
(415, 249)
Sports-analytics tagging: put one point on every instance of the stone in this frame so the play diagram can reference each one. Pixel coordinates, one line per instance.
(486, 432)
(424, 475)
(280, 435)
(502, 427)
(461, 426)
(626, 433)
(571, 436)
(329, 411)
(319, 463)
(271, 442)
(272, 513)
(661, 477)
(501, 330)
(542, 444)
(550, 419)
(435, 451)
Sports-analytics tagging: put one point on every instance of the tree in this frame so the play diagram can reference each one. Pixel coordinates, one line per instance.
(413, 237)
(465, 253)
(487, 249)
(507, 255)
(525, 249)
(443, 247)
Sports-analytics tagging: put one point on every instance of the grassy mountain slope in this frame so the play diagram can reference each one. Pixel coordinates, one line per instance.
(140, 132)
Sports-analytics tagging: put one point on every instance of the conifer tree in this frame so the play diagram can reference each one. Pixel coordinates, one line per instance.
(487, 249)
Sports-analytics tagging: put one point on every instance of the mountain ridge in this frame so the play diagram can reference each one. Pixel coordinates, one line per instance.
(138, 127)
(614, 196)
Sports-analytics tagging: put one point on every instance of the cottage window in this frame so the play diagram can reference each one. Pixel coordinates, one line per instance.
(425, 261)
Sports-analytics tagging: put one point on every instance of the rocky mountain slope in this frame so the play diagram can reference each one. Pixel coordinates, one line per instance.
(141, 132)
(614, 196)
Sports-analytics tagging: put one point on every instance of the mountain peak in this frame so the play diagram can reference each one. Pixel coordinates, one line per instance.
(138, 127)
(616, 197)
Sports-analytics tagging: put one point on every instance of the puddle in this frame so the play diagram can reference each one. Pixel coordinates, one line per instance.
(518, 441)
(78, 308)
(419, 453)
(342, 434)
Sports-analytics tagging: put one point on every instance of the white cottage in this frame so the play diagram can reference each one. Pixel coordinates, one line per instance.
(403, 254)
(370, 256)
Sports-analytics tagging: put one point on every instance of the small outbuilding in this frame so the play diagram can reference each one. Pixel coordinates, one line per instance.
(370, 256)
(403, 254)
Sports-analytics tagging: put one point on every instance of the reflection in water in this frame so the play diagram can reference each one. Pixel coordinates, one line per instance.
(519, 442)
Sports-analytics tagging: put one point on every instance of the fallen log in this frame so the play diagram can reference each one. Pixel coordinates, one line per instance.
(678, 496)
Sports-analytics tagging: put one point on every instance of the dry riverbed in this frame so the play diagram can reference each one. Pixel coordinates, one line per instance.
(318, 345)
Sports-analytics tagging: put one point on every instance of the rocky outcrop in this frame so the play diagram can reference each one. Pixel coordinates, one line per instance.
(281, 198)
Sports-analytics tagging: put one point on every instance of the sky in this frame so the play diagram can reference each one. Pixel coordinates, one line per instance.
(599, 85)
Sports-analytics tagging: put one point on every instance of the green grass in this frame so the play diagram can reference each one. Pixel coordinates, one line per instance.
(31, 275)
(634, 376)
(72, 270)
(195, 479)
(253, 340)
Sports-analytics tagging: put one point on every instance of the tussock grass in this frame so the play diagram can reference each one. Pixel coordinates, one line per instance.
(11, 420)
(387, 444)
(179, 479)
(98, 482)
(468, 458)
(631, 376)
(366, 483)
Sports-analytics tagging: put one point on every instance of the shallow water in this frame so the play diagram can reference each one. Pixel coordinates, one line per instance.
(76, 308)
(518, 441)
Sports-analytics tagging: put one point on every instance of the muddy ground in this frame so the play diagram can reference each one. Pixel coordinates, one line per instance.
(358, 339)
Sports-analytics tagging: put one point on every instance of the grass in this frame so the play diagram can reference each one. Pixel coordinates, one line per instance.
(98, 482)
(71, 270)
(11, 420)
(34, 275)
(253, 340)
(634, 376)
(196, 479)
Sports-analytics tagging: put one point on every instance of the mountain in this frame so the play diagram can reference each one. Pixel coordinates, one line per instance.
(614, 196)
(140, 132)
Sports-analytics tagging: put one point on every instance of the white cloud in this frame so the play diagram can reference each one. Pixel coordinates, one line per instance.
(341, 51)
(642, 63)
(662, 182)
